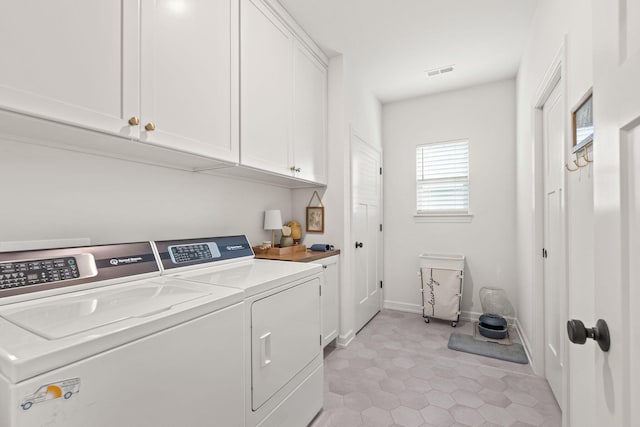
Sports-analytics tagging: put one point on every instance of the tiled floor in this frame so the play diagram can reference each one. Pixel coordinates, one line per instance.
(399, 372)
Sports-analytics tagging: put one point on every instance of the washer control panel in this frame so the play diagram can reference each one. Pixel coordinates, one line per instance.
(25, 273)
(35, 272)
(187, 253)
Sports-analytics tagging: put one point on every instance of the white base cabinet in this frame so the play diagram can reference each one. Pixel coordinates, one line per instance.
(330, 299)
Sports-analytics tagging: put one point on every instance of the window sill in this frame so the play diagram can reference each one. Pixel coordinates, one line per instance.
(443, 217)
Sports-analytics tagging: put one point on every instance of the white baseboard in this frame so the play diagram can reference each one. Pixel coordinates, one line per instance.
(526, 344)
(344, 340)
(402, 306)
(470, 316)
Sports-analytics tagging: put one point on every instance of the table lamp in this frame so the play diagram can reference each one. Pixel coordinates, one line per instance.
(273, 222)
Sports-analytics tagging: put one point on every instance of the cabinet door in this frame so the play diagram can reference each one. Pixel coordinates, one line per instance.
(330, 307)
(265, 88)
(189, 80)
(309, 115)
(71, 61)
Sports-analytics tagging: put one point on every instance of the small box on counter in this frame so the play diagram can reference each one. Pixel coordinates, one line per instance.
(260, 250)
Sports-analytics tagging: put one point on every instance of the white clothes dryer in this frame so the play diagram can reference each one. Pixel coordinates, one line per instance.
(93, 336)
(283, 370)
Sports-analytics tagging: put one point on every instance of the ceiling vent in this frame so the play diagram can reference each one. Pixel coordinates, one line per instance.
(437, 71)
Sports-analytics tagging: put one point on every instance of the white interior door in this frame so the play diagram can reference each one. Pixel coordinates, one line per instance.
(365, 220)
(554, 274)
(616, 109)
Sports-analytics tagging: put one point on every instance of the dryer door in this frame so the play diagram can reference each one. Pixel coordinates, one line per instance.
(285, 337)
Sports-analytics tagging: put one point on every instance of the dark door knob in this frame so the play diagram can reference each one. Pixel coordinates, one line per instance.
(358, 245)
(578, 333)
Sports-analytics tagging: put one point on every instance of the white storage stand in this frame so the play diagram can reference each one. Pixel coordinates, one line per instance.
(441, 279)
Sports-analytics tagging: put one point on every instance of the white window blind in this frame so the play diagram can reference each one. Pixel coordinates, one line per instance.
(442, 177)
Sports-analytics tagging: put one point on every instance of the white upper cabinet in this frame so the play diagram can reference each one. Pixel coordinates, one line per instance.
(265, 89)
(283, 88)
(189, 76)
(162, 72)
(71, 61)
(309, 115)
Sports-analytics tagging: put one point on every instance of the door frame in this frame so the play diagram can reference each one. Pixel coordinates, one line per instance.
(555, 75)
(353, 135)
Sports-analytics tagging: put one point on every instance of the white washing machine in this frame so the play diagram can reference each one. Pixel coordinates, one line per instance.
(282, 317)
(93, 336)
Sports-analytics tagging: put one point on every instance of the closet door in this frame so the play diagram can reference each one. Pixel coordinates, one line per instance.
(71, 61)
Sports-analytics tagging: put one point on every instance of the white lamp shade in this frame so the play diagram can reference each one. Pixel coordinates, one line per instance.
(272, 220)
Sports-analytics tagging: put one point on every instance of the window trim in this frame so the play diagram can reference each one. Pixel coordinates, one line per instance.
(443, 217)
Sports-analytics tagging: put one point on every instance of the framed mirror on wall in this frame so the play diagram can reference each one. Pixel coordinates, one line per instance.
(582, 118)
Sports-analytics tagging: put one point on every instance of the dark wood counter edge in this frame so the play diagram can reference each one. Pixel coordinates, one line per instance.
(307, 256)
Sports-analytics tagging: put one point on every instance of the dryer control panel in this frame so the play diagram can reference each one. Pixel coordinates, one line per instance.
(187, 253)
(206, 250)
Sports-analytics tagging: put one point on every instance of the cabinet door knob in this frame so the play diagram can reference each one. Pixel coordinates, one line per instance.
(359, 245)
(150, 127)
(134, 121)
(294, 169)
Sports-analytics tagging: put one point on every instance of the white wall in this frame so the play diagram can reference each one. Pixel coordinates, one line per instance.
(485, 115)
(557, 22)
(58, 194)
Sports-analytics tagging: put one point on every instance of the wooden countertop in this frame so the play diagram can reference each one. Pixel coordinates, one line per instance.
(307, 256)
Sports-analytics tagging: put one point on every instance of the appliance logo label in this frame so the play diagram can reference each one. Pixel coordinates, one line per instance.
(65, 389)
(131, 260)
(235, 247)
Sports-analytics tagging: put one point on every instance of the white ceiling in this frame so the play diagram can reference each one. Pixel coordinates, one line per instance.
(392, 42)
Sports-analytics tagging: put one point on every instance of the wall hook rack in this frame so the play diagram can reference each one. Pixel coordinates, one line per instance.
(566, 165)
(586, 157)
(580, 154)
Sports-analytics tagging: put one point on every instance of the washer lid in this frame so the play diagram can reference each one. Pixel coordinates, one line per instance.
(47, 333)
(54, 319)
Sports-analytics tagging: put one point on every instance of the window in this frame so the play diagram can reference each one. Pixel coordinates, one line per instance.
(442, 178)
